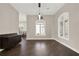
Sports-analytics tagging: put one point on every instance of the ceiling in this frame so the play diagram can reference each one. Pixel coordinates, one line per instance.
(33, 9)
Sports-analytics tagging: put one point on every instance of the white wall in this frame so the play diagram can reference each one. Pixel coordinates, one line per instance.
(9, 20)
(73, 41)
(31, 26)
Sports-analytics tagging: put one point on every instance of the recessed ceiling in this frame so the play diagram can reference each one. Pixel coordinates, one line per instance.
(33, 9)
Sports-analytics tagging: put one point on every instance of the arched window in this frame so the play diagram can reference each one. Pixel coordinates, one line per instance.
(63, 26)
(40, 27)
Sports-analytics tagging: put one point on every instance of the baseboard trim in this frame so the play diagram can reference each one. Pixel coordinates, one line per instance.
(39, 38)
(68, 46)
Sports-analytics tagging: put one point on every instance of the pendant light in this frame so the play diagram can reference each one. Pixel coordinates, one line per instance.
(39, 15)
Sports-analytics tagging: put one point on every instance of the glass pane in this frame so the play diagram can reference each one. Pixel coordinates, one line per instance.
(61, 28)
(42, 29)
(37, 29)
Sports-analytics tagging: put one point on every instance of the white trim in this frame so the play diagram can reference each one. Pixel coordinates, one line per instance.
(39, 38)
(68, 46)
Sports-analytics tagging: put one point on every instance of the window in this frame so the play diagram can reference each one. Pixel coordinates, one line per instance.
(40, 27)
(63, 26)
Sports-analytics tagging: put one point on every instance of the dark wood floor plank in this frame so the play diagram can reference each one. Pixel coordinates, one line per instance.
(39, 48)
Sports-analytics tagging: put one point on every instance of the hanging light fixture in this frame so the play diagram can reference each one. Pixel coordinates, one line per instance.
(39, 15)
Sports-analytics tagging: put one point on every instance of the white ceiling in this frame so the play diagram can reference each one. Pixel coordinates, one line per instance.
(33, 9)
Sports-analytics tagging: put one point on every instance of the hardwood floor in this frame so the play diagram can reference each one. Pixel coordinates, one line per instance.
(39, 48)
